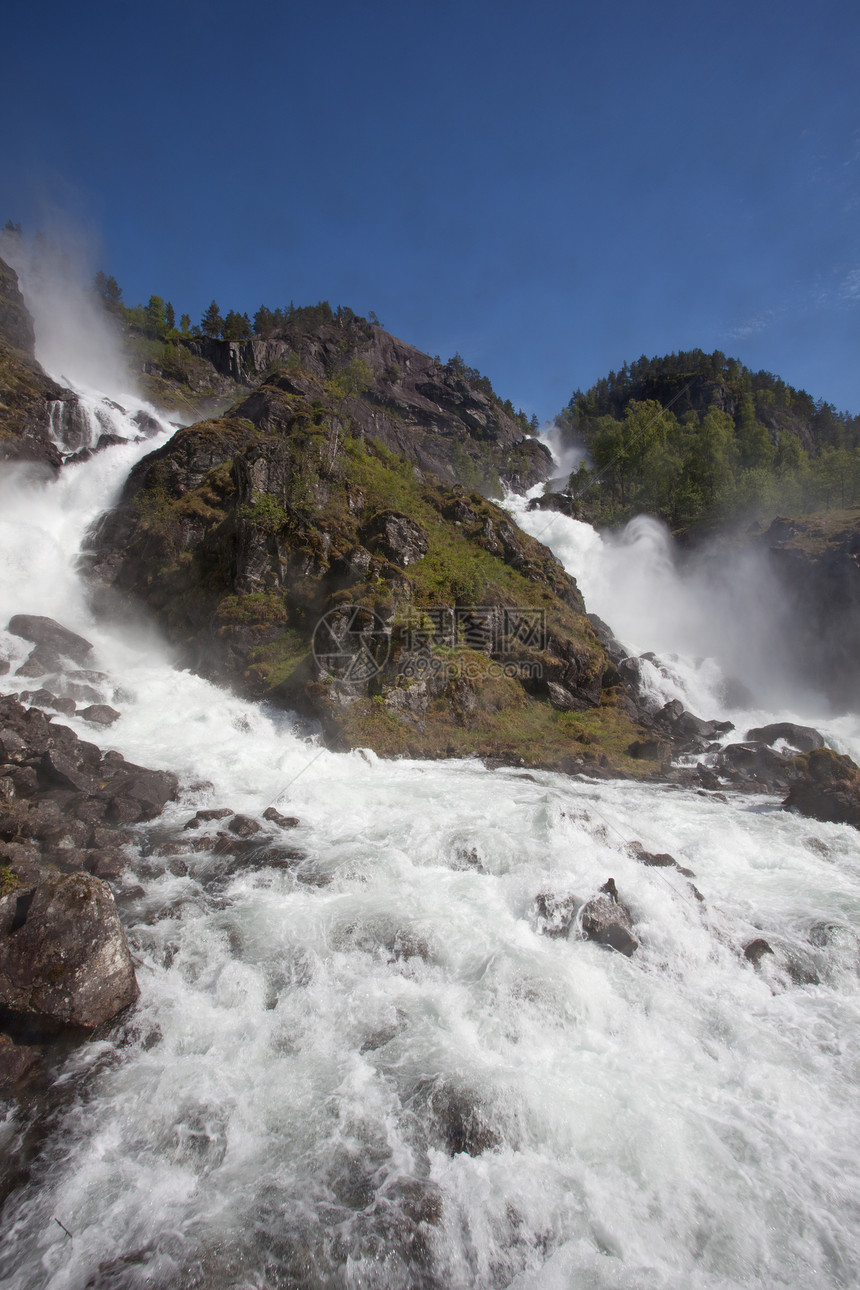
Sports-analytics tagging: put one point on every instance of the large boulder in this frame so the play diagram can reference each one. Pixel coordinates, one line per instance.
(803, 738)
(827, 787)
(604, 919)
(64, 957)
(50, 636)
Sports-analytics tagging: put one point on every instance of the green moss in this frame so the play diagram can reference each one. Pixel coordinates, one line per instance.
(9, 881)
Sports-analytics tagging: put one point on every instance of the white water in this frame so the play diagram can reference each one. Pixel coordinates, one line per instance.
(675, 1120)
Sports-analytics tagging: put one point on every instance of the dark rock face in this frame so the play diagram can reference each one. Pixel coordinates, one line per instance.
(827, 788)
(64, 958)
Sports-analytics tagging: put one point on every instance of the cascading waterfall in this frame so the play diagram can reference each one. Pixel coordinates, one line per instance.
(370, 1069)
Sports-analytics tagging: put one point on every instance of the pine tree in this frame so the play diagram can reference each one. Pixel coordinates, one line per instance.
(212, 324)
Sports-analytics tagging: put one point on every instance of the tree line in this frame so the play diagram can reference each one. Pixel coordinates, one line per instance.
(157, 318)
(697, 438)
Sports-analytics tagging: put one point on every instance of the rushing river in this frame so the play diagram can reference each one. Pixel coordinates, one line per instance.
(371, 1070)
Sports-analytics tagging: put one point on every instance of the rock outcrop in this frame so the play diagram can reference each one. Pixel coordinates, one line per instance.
(294, 558)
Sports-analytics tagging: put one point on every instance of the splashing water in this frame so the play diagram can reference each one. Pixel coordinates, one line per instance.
(367, 1068)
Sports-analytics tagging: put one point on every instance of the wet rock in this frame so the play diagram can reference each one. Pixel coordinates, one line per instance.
(214, 813)
(5, 666)
(284, 821)
(827, 787)
(134, 793)
(555, 914)
(754, 765)
(243, 826)
(756, 950)
(99, 714)
(686, 728)
(81, 692)
(64, 957)
(460, 1118)
(604, 919)
(47, 633)
(41, 662)
(57, 768)
(658, 859)
(43, 698)
(804, 738)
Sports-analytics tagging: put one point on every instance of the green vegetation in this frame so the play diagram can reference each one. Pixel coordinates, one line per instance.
(698, 439)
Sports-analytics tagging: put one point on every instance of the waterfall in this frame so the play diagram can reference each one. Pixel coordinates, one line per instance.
(356, 1059)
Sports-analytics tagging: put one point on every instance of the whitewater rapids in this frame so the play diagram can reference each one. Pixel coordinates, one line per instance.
(265, 1117)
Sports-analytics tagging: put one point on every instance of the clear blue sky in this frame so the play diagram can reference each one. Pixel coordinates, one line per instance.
(549, 188)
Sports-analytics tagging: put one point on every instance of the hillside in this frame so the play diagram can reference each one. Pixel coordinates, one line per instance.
(699, 439)
(459, 633)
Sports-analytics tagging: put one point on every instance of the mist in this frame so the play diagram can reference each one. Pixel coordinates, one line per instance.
(566, 456)
(714, 616)
(75, 342)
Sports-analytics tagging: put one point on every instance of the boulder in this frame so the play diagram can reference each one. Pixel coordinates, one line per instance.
(243, 826)
(605, 920)
(804, 738)
(754, 765)
(43, 661)
(283, 821)
(827, 787)
(99, 714)
(51, 635)
(64, 957)
(685, 726)
(134, 793)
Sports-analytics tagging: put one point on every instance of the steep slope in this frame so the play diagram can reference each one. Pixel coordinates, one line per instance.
(443, 417)
(292, 556)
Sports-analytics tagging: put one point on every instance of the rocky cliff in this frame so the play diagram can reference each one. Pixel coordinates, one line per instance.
(435, 414)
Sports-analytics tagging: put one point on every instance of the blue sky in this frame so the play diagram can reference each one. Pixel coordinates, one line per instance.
(548, 189)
